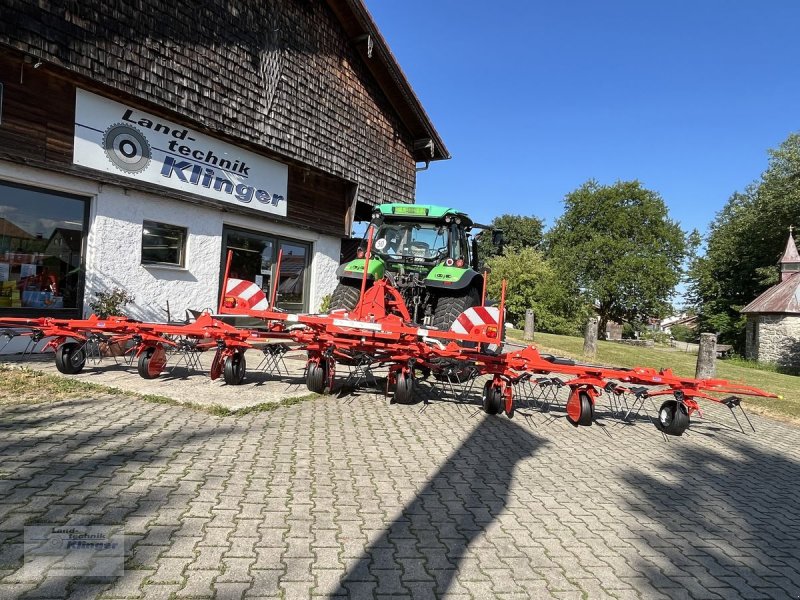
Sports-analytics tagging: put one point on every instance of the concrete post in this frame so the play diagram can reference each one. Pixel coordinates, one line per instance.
(706, 356)
(529, 325)
(590, 337)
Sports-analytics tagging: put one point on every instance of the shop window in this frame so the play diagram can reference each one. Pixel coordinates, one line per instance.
(41, 249)
(163, 244)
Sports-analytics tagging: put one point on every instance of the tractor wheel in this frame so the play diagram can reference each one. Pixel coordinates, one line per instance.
(580, 410)
(346, 295)
(673, 417)
(450, 305)
(492, 399)
(70, 358)
(143, 365)
(235, 367)
(316, 377)
(404, 389)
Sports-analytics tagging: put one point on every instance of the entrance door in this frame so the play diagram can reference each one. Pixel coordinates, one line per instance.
(292, 287)
(254, 259)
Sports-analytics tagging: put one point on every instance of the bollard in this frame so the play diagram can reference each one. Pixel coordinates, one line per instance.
(529, 325)
(706, 356)
(590, 338)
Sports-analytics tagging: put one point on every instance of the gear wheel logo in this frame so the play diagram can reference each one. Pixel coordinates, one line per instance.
(127, 148)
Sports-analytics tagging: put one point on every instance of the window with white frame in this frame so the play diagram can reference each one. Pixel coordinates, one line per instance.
(163, 244)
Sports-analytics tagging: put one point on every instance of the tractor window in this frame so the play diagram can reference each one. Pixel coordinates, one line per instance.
(426, 241)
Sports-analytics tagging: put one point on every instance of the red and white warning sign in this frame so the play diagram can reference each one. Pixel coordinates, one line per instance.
(247, 294)
(476, 319)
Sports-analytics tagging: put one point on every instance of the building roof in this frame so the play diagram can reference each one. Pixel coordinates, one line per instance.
(781, 298)
(360, 27)
(9, 229)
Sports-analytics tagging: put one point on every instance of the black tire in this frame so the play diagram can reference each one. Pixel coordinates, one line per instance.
(492, 399)
(316, 377)
(584, 406)
(587, 409)
(143, 366)
(235, 368)
(404, 389)
(451, 304)
(70, 358)
(673, 417)
(346, 295)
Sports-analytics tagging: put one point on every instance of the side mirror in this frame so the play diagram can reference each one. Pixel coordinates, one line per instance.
(497, 237)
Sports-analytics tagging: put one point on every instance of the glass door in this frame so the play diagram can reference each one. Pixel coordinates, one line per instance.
(292, 287)
(255, 257)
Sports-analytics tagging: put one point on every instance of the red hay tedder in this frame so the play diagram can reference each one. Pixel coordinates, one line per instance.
(379, 332)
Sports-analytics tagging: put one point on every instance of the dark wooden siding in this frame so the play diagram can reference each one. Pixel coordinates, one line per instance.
(279, 74)
(37, 129)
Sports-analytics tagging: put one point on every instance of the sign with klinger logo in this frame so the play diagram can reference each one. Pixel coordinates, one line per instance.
(126, 141)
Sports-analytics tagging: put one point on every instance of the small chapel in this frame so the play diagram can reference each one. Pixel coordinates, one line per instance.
(773, 319)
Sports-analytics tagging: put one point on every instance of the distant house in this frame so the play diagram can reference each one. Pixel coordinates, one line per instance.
(666, 325)
(773, 319)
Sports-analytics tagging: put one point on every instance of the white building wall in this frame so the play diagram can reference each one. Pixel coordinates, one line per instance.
(113, 255)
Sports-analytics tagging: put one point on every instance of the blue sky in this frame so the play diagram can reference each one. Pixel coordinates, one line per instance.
(534, 98)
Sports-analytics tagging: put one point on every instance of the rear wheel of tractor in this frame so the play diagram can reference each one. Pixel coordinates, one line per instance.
(345, 296)
(492, 399)
(404, 389)
(316, 377)
(450, 305)
(70, 358)
(673, 417)
(235, 367)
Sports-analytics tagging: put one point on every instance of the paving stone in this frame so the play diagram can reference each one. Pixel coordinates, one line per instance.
(354, 498)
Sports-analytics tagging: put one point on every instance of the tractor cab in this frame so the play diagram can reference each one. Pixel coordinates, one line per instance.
(427, 252)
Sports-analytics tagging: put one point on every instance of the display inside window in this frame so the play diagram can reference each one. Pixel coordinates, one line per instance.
(41, 248)
(163, 244)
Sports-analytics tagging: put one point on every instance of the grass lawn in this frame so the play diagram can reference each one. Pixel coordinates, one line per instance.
(683, 364)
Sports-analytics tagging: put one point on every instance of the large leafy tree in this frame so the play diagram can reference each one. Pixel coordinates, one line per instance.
(745, 242)
(619, 246)
(534, 283)
(519, 232)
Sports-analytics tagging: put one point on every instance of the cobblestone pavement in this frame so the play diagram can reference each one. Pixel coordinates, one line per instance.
(354, 497)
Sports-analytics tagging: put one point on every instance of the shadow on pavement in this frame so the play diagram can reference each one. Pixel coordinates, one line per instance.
(420, 551)
(720, 518)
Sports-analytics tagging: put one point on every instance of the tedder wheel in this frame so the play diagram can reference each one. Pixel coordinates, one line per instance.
(145, 358)
(235, 367)
(346, 295)
(492, 399)
(673, 417)
(316, 377)
(580, 410)
(404, 389)
(70, 358)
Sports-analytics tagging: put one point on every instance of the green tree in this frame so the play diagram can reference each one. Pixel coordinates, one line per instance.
(534, 283)
(619, 246)
(518, 232)
(744, 243)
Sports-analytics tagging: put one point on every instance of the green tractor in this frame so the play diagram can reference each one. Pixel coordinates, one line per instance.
(428, 254)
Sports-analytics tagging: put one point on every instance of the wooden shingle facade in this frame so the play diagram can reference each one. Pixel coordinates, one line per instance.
(307, 86)
(284, 76)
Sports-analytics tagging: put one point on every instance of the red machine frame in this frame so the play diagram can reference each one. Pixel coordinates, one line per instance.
(380, 328)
